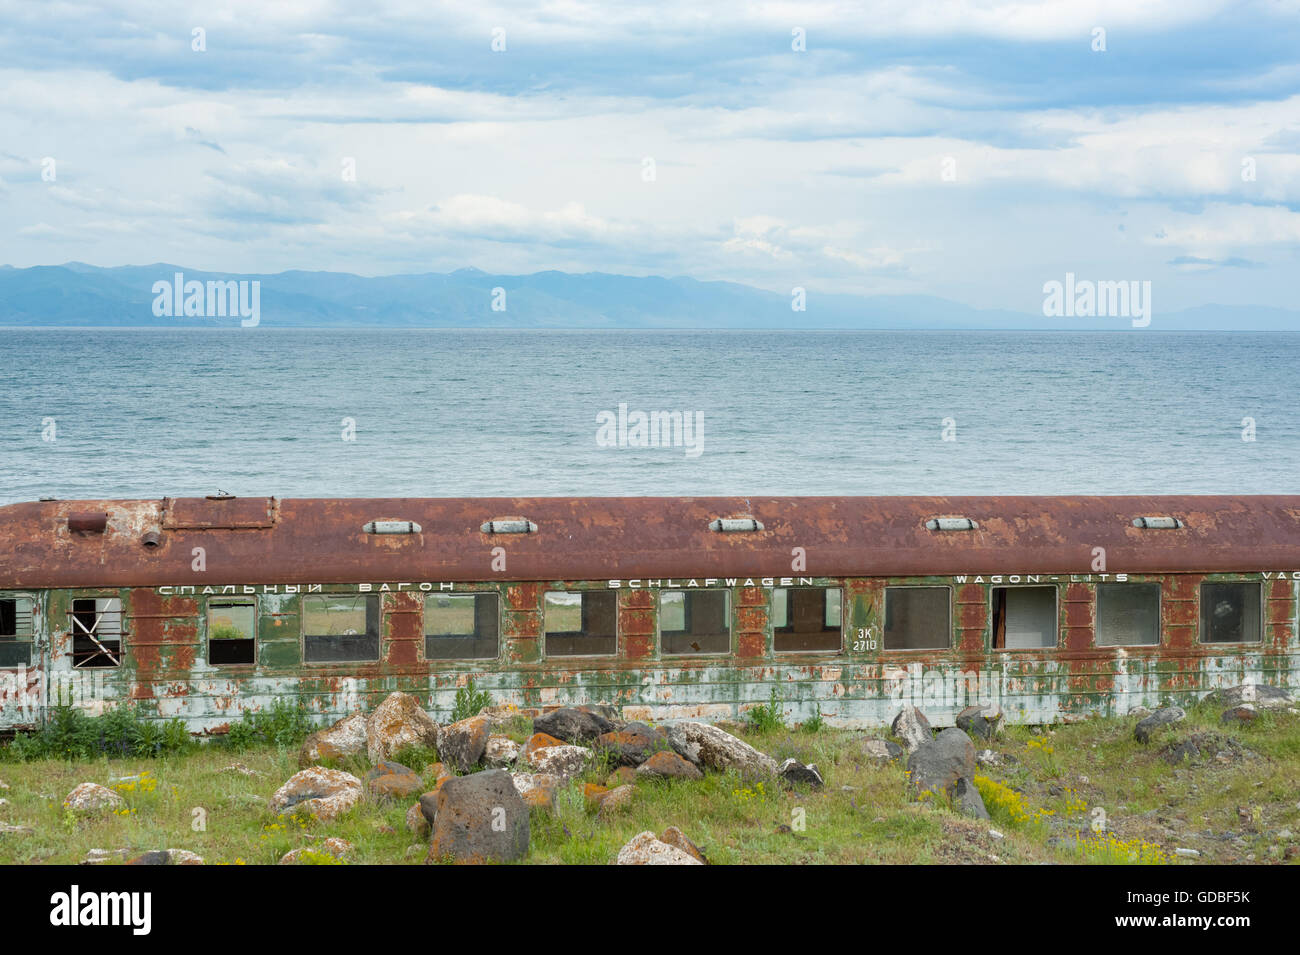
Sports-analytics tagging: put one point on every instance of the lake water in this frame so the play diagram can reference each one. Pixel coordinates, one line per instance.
(146, 413)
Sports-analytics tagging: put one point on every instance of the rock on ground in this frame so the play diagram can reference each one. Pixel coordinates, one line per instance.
(674, 837)
(537, 741)
(480, 818)
(537, 789)
(573, 724)
(1202, 747)
(793, 771)
(389, 780)
(325, 793)
(667, 765)
(1165, 716)
(615, 801)
(333, 847)
(500, 752)
(92, 797)
(632, 745)
(1240, 715)
(462, 744)
(912, 727)
(880, 750)
(564, 761)
(398, 722)
(710, 748)
(167, 857)
(981, 722)
(945, 766)
(1262, 695)
(416, 824)
(645, 849)
(347, 737)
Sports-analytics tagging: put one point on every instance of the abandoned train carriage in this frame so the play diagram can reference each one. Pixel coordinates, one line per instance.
(1051, 607)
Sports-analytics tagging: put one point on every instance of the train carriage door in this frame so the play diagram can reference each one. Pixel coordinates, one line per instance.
(22, 671)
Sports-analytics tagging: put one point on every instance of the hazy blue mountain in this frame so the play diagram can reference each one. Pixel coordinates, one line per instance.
(80, 294)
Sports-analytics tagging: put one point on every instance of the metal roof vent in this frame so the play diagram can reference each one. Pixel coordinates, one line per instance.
(735, 525)
(513, 526)
(392, 527)
(1159, 523)
(951, 524)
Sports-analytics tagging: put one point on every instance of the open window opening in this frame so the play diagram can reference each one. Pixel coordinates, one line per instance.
(1024, 618)
(694, 621)
(96, 632)
(340, 628)
(918, 618)
(807, 619)
(461, 626)
(232, 633)
(581, 623)
(16, 627)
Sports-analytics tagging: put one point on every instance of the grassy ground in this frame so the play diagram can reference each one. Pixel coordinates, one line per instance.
(1043, 797)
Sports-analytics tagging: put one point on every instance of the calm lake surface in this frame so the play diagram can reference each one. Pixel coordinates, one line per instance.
(147, 413)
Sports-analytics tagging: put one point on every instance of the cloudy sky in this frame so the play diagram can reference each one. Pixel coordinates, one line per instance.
(969, 150)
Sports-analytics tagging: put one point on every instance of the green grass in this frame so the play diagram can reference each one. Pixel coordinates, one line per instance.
(865, 813)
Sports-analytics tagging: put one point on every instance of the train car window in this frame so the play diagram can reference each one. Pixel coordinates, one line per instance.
(461, 627)
(918, 618)
(96, 624)
(581, 623)
(1128, 615)
(694, 621)
(1230, 613)
(807, 619)
(16, 632)
(340, 628)
(1024, 618)
(232, 632)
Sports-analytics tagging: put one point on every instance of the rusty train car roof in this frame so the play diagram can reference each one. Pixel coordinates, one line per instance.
(58, 544)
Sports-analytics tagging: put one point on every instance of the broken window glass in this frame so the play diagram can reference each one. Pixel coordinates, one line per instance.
(16, 632)
(232, 632)
(96, 632)
(1024, 618)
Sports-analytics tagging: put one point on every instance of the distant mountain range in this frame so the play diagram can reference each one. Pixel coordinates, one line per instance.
(85, 295)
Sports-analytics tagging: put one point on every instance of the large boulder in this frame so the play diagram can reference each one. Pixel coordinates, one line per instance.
(615, 801)
(500, 752)
(1165, 716)
(462, 744)
(573, 724)
(325, 793)
(391, 780)
(347, 737)
(1260, 695)
(93, 798)
(879, 750)
(546, 754)
(668, 765)
(710, 748)
(911, 726)
(645, 849)
(396, 723)
(632, 745)
(945, 766)
(1241, 715)
(980, 722)
(480, 818)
